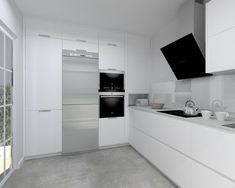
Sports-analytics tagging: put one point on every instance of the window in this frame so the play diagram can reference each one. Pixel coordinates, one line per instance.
(6, 101)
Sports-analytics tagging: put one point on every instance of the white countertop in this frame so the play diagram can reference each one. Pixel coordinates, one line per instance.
(213, 123)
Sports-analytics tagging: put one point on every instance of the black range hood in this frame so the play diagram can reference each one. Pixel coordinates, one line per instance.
(185, 58)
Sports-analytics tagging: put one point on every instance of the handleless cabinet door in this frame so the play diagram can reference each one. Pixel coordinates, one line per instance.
(170, 131)
(215, 149)
(220, 52)
(203, 177)
(43, 73)
(173, 164)
(112, 131)
(220, 16)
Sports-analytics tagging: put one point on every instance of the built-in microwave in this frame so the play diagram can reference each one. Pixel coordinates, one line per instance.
(111, 82)
(111, 105)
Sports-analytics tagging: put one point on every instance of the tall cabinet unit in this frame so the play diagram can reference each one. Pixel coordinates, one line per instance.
(43, 95)
(112, 131)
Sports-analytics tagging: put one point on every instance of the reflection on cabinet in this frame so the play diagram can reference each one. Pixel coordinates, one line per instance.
(220, 16)
(43, 132)
(111, 51)
(138, 64)
(112, 131)
(43, 73)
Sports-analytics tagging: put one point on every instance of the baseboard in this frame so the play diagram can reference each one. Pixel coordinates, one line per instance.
(113, 146)
(41, 156)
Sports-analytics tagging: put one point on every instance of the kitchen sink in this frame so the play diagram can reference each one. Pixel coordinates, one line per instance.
(180, 113)
(230, 125)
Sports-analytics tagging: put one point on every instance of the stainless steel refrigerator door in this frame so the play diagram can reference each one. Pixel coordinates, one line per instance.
(80, 128)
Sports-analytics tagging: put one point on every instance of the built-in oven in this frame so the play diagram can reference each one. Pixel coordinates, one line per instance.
(111, 105)
(111, 82)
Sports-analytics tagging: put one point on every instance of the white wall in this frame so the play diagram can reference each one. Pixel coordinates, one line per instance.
(161, 71)
(12, 20)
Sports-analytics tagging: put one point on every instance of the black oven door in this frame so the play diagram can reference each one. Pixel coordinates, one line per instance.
(111, 82)
(111, 106)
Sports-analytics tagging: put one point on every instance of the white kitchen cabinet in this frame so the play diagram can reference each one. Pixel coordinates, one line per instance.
(80, 45)
(203, 177)
(112, 131)
(138, 64)
(43, 73)
(82, 35)
(174, 165)
(220, 52)
(111, 38)
(215, 149)
(170, 131)
(209, 161)
(220, 16)
(43, 132)
(111, 51)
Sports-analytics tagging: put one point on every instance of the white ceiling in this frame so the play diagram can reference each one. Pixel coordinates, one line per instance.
(134, 16)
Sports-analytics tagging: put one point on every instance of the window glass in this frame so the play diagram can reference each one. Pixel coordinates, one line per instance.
(1, 161)
(8, 87)
(9, 53)
(1, 124)
(8, 129)
(1, 49)
(1, 87)
(8, 155)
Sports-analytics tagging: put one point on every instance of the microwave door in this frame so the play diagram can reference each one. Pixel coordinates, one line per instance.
(111, 82)
(111, 106)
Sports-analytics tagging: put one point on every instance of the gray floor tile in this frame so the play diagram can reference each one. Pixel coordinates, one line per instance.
(111, 168)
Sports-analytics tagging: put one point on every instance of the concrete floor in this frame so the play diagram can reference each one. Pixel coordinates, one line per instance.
(111, 168)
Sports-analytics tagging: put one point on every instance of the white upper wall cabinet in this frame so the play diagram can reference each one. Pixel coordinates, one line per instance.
(80, 45)
(220, 16)
(220, 40)
(111, 38)
(43, 73)
(138, 64)
(220, 52)
(111, 51)
(83, 39)
(82, 35)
